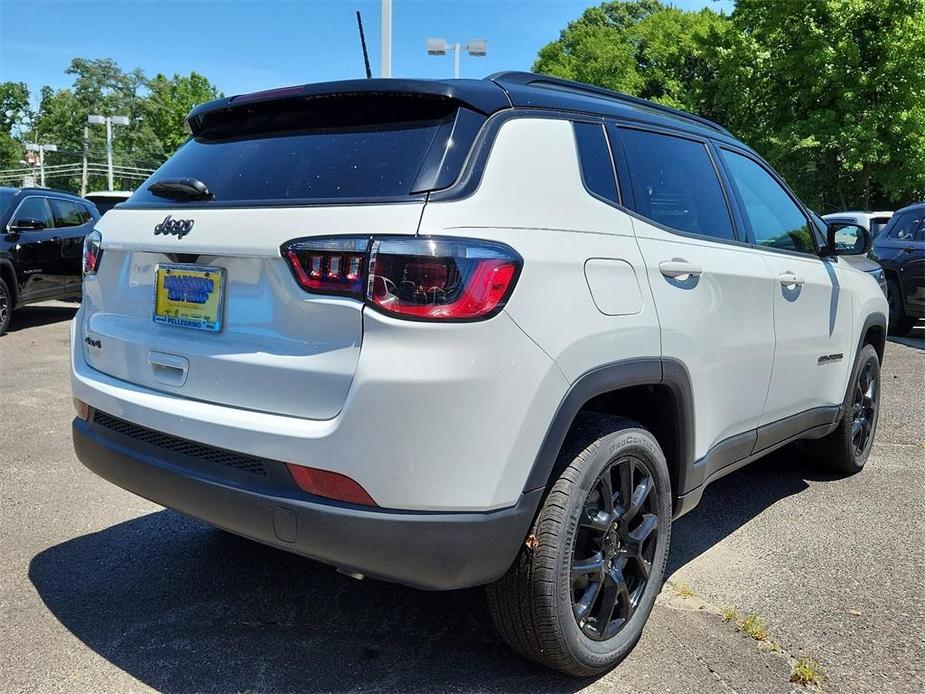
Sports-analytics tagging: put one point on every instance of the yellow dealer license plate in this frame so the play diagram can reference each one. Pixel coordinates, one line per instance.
(189, 296)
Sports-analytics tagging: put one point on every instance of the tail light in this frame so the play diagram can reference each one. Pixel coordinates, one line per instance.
(330, 265)
(438, 279)
(93, 252)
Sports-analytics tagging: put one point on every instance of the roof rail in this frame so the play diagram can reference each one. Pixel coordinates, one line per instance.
(532, 79)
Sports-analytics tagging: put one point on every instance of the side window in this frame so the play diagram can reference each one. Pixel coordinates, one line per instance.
(594, 159)
(904, 228)
(33, 210)
(674, 183)
(67, 213)
(775, 219)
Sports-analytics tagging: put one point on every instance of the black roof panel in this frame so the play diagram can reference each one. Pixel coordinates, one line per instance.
(496, 92)
(542, 91)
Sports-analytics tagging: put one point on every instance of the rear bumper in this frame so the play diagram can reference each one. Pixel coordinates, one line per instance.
(434, 551)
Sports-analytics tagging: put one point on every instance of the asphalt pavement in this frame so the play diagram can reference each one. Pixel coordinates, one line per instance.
(103, 591)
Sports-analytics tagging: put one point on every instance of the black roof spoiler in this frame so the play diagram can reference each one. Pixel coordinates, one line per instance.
(483, 96)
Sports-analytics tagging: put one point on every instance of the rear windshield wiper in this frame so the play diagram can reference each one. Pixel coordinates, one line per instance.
(181, 189)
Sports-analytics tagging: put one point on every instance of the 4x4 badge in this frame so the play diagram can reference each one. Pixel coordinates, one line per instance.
(174, 227)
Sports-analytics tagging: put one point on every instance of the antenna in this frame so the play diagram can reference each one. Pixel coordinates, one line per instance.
(369, 73)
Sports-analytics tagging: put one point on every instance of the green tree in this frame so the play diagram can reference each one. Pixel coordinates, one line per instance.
(14, 113)
(155, 109)
(640, 47)
(832, 92)
(837, 100)
(169, 101)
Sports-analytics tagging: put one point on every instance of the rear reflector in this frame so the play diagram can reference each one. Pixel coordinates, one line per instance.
(417, 278)
(83, 409)
(331, 485)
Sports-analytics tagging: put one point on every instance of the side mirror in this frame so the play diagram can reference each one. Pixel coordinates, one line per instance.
(846, 238)
(27, 225)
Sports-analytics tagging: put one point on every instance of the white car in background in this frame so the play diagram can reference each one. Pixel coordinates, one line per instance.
(105, 200)
(872, 221)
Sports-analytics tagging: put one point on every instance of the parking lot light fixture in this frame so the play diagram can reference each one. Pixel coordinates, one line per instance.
(477, 48)
(108, 121)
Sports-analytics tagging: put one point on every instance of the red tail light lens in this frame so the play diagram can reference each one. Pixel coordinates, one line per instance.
(438, 279)
(330, 265)
(93, 252)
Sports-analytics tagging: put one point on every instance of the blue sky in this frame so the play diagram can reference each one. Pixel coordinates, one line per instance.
(247, 46)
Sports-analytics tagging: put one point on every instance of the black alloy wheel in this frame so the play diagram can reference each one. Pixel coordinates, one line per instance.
(864, 408)
(614, 548)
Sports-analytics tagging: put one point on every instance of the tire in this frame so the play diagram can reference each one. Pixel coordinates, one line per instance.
(535, 605)
(900, 324)
(842, 451)
(6, 306)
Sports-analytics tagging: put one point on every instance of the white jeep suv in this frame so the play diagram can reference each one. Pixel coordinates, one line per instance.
(452, 333)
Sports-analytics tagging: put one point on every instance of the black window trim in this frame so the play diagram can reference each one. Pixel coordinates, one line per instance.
(752, 239)
(470, 179)
(581, 168)
(623, 170)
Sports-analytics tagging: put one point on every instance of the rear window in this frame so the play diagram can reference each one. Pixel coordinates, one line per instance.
(877, 224)
(360, 147)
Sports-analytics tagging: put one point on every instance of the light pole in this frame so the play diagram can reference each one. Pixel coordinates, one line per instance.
(386, 35)
(477, 48)
(108, 121)
(41, 149)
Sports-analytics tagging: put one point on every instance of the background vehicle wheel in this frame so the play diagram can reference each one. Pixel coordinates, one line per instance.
(900, 323)
(581, 589)
(6, 306)
(847, 448)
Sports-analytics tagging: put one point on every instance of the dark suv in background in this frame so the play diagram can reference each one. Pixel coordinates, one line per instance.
(900, 249)
(41, 242)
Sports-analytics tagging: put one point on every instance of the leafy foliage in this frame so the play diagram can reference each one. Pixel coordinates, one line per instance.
(831, 91)
(155, 107)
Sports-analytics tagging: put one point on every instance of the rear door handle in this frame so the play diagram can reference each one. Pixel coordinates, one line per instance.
(791, 279)
(679, 268)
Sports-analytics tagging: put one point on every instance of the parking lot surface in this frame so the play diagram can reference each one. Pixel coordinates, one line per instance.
(103, 591)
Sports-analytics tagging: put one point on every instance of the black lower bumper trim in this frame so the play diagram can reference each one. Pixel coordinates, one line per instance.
(433, 551)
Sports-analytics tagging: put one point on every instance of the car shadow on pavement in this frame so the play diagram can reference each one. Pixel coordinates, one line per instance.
(732, 501)
(915, 339)
(35, 316)
(183, 607)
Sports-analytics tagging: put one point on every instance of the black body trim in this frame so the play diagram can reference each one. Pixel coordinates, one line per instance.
(772, 433)
(14, 286)
(434, 551)
(692, 476)
(606, 379)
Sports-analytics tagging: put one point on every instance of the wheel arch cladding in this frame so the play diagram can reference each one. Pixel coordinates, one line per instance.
(8, 275)
(874, 333)
(654, 391)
